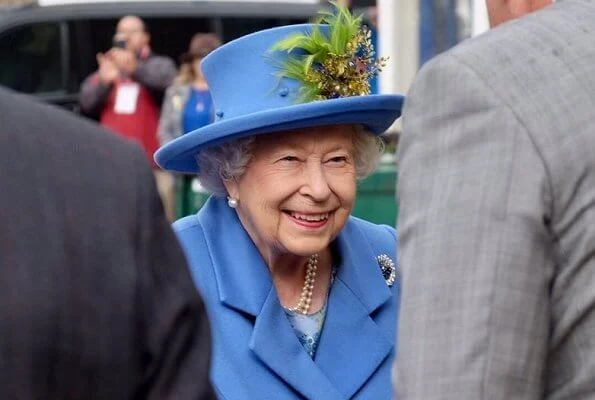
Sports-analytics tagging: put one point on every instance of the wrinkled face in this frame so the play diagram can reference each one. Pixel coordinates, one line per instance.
(133, 30)
(501, 11)
(298, 190)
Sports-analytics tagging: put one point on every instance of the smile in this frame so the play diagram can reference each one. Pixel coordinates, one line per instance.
(312, 221)
(310, 217)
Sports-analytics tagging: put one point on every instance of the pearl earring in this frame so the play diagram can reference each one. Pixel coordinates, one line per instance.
(233, 203)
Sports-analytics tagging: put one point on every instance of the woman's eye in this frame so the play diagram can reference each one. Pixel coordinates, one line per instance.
(338, 160)
(289, 158)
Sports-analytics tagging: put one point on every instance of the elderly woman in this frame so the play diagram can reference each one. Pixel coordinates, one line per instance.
(303, 298)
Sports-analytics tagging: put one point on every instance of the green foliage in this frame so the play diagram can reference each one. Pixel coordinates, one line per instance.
(316, 48)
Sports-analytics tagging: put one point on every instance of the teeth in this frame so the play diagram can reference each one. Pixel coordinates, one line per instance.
(310, 217)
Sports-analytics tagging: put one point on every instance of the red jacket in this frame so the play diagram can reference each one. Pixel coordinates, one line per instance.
(140, 126)
(154, 74)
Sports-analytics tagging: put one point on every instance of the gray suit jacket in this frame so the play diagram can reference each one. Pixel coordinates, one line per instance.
(497, 223)
(96, 301)
(170, 121)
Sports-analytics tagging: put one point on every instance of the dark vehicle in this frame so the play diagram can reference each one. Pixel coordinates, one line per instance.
(48, 50)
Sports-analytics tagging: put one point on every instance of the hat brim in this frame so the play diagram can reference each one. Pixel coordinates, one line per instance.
(376, 112)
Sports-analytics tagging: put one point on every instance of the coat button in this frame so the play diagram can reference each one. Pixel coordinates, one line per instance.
(283, 92)
(219, 113)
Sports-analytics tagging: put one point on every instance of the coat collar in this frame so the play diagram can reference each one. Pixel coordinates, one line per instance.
(352, 345)
(350, 336)
(243, 279)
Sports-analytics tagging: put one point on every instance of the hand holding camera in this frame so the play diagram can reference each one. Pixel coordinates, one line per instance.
(125, 60)
(118, 61)
(123, 55)
(108, 71)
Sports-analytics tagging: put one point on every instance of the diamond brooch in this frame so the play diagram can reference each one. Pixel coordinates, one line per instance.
(388, 268)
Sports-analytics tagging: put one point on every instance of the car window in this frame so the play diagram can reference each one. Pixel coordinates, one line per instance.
(170, 36)
(34, 61)
(31, 58)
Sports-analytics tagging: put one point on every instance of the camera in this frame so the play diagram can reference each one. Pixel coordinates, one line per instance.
(119, 43)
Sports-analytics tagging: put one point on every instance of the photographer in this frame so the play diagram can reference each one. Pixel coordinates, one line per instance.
(126, 91)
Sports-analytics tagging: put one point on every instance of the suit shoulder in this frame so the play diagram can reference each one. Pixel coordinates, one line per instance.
(62, 141)
(160, 59)
(176, 87)
(40, 124)
(536, 39)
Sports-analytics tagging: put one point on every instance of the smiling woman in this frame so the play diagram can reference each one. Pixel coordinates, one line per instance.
(297, 191)
(302, 296)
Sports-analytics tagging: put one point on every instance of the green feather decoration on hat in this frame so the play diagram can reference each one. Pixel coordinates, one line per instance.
(340, 65)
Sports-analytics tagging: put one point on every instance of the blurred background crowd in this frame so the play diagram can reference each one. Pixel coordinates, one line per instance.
(133, 66)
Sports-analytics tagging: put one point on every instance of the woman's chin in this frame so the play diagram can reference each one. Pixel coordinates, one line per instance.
(306, 247)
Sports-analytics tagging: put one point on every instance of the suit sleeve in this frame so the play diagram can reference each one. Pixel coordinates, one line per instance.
(166, 131)
(174, 330)
(157, 73)
(473, 244)
(93, 95)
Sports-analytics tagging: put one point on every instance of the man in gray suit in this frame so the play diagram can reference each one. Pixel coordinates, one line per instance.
(497, 223)
(96, 301)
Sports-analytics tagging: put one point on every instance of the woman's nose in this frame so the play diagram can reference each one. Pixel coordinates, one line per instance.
(316, 184)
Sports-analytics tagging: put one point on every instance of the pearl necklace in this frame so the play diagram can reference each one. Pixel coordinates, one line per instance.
(303, 306)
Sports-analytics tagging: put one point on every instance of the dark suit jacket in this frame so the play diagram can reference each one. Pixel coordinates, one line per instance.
(96, 301)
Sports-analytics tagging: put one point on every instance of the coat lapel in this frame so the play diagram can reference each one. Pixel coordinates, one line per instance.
(243, 279)
(352, 346)
(244, 284)
(275, 343)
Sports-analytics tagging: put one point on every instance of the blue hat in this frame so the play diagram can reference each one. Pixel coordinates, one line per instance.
(250, 99)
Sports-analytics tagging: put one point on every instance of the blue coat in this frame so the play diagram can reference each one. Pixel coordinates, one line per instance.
(256, 353)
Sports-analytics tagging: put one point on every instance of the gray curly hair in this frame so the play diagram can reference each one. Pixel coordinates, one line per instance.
(229, 160)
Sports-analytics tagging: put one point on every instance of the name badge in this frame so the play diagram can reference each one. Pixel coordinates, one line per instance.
(126, 98)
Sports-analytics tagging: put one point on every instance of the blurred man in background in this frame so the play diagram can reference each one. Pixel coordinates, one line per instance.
(96, 301)
(497, 218)
(126, 91)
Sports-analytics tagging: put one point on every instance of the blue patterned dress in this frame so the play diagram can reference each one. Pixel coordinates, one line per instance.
(307, 327)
